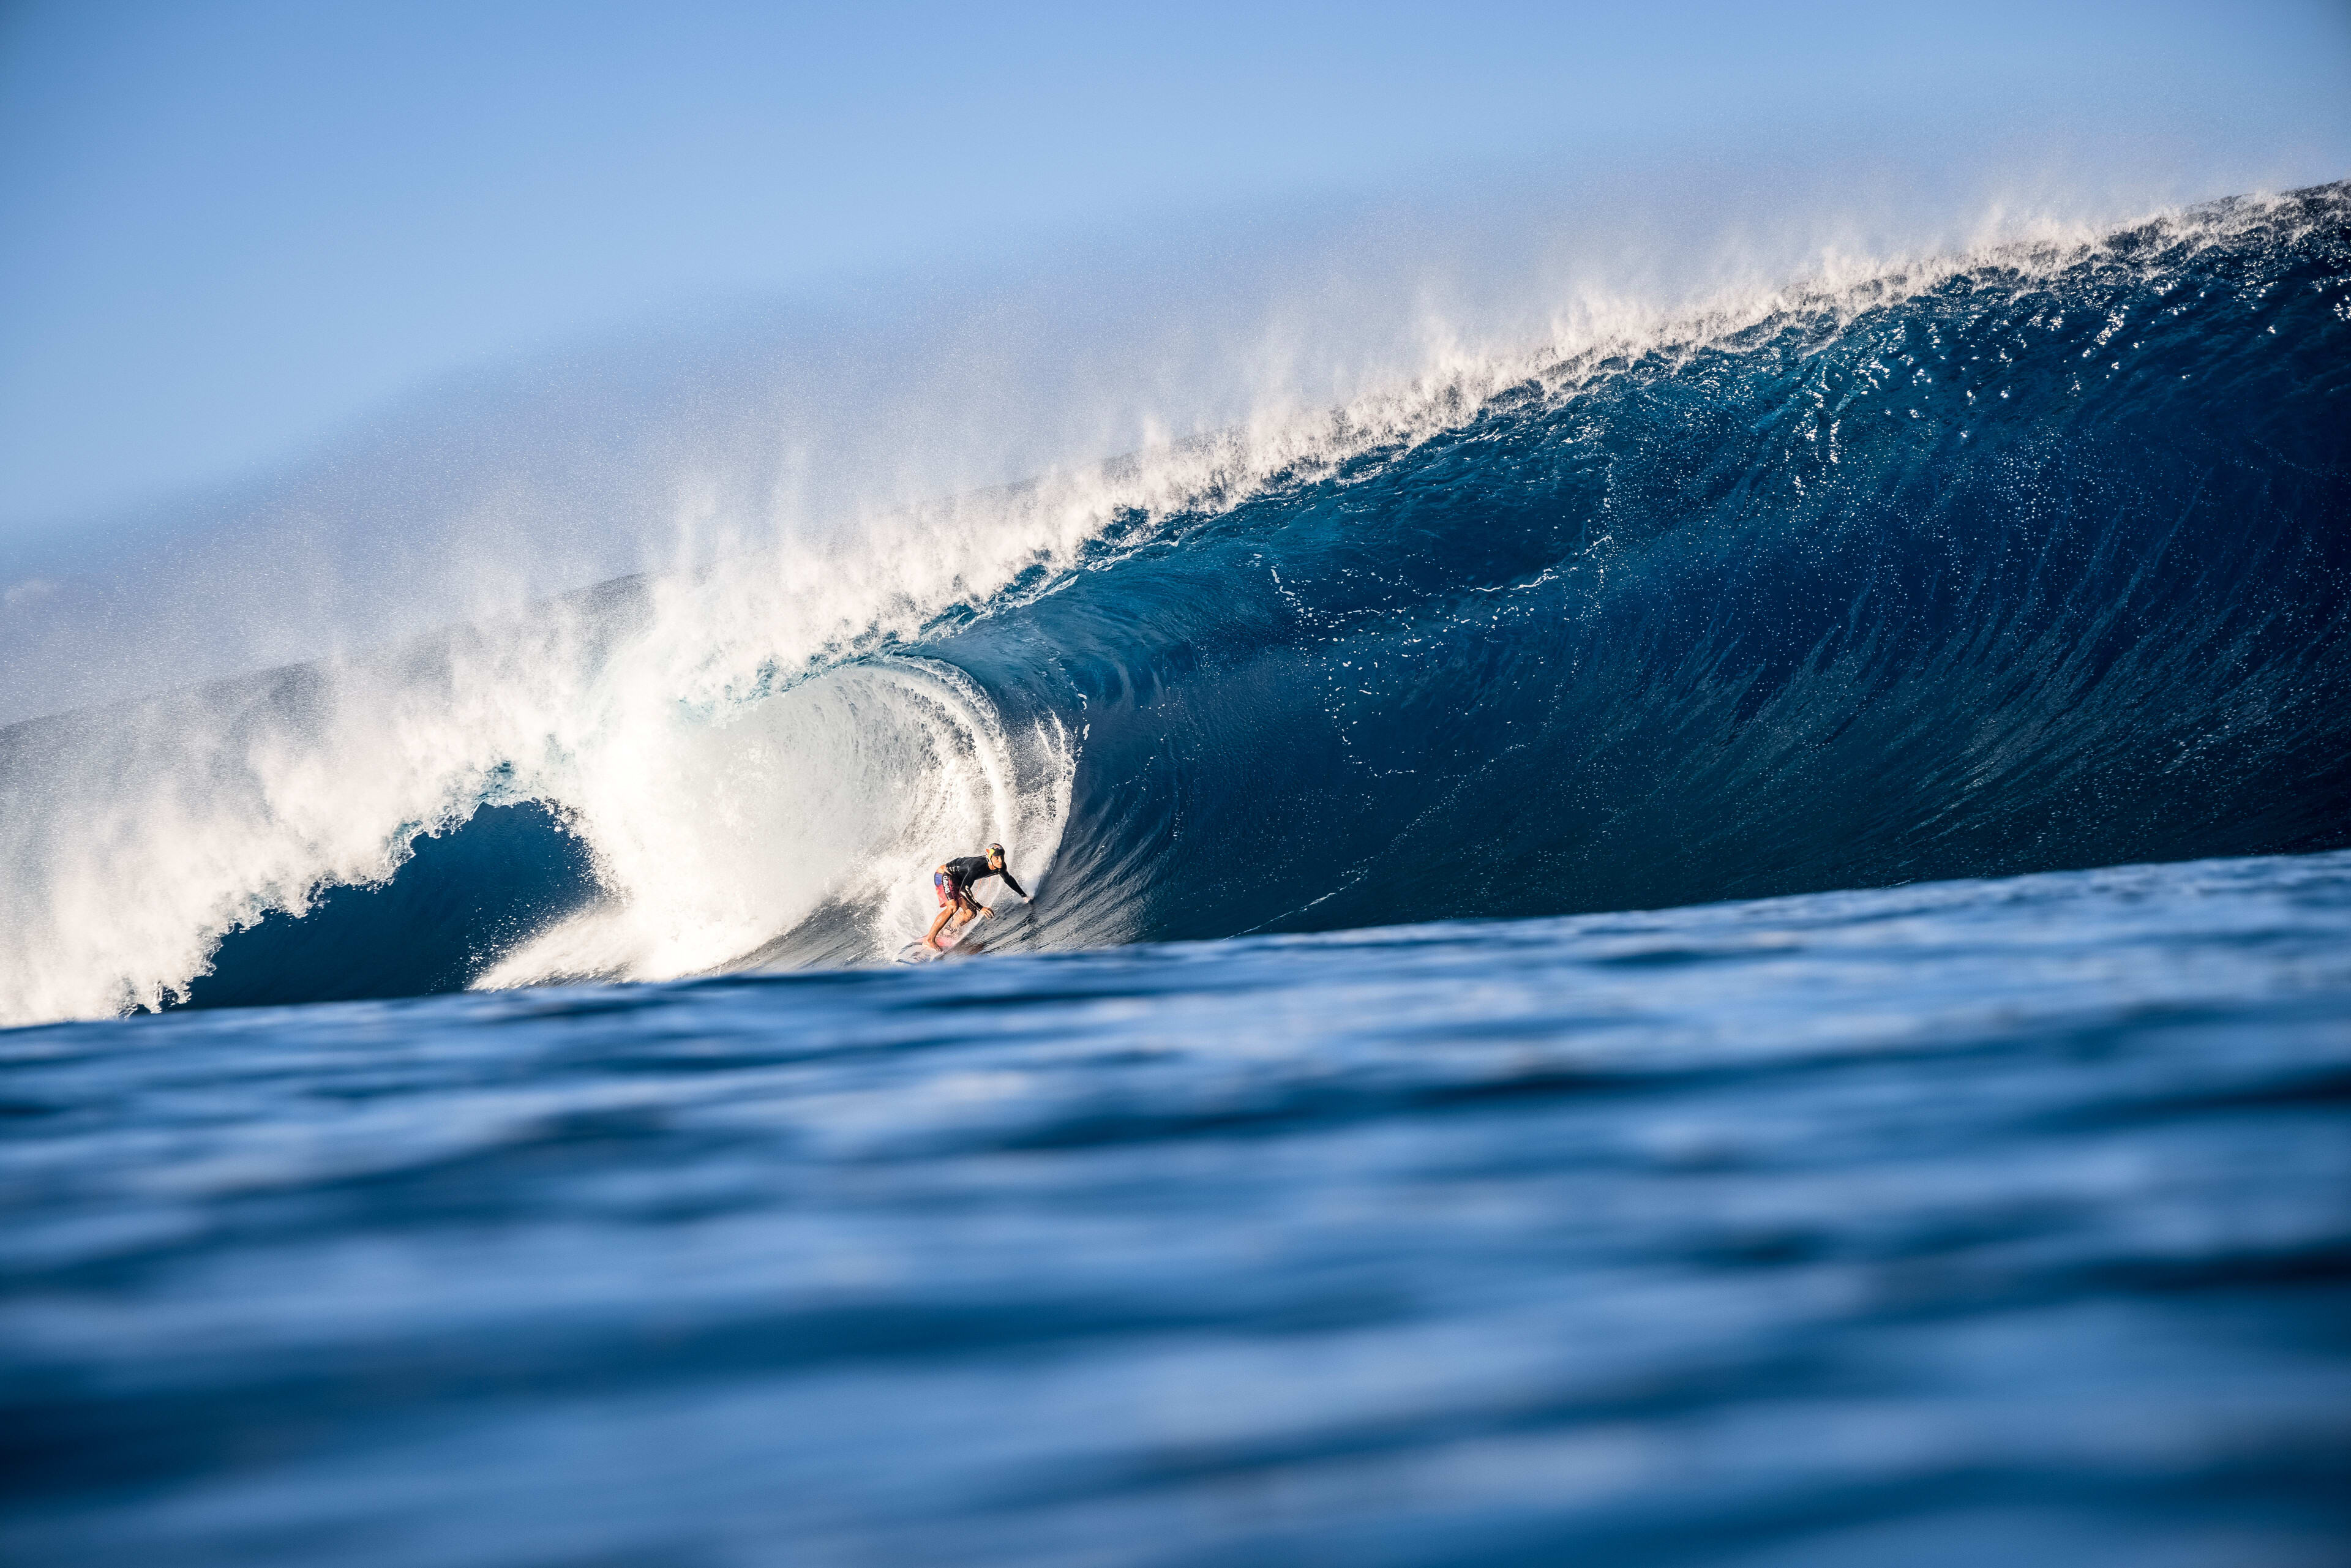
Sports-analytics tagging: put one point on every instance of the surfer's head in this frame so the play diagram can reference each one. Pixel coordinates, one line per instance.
(996, 854)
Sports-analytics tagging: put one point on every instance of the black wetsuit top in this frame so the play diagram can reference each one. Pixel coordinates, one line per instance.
(968, 868)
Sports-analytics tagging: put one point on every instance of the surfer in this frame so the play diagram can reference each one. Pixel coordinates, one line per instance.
(952, 881)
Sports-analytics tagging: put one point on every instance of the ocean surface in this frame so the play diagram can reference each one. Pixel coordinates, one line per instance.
(455, 1105)
(1959, 1223)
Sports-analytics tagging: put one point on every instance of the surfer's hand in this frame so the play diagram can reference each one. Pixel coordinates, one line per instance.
(988, 909)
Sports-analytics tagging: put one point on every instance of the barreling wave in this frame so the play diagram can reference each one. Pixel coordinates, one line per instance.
(2031, 559)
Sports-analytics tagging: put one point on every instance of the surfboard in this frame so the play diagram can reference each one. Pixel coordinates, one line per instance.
(918, 952)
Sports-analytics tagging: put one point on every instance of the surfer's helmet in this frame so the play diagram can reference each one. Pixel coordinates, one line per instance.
(995, 851)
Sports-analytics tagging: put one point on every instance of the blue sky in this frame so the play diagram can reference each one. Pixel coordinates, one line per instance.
(227, 231)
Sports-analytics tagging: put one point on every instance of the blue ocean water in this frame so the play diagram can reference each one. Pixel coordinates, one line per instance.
(457, 1109)
(1959, 1223)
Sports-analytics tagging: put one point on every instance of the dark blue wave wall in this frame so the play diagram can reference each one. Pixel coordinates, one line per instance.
(2030, 572)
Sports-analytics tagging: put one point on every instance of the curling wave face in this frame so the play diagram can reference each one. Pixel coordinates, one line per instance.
(2026, 560)
(2039, 563)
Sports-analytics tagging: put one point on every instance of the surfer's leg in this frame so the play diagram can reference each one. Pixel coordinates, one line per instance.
(946, 907)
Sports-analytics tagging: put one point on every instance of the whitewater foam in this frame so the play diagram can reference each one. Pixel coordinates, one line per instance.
(713, 837)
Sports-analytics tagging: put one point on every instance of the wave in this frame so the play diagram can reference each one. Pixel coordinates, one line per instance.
(2023, 561)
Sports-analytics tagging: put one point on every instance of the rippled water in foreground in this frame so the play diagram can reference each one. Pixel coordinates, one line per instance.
(1967, 1223)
